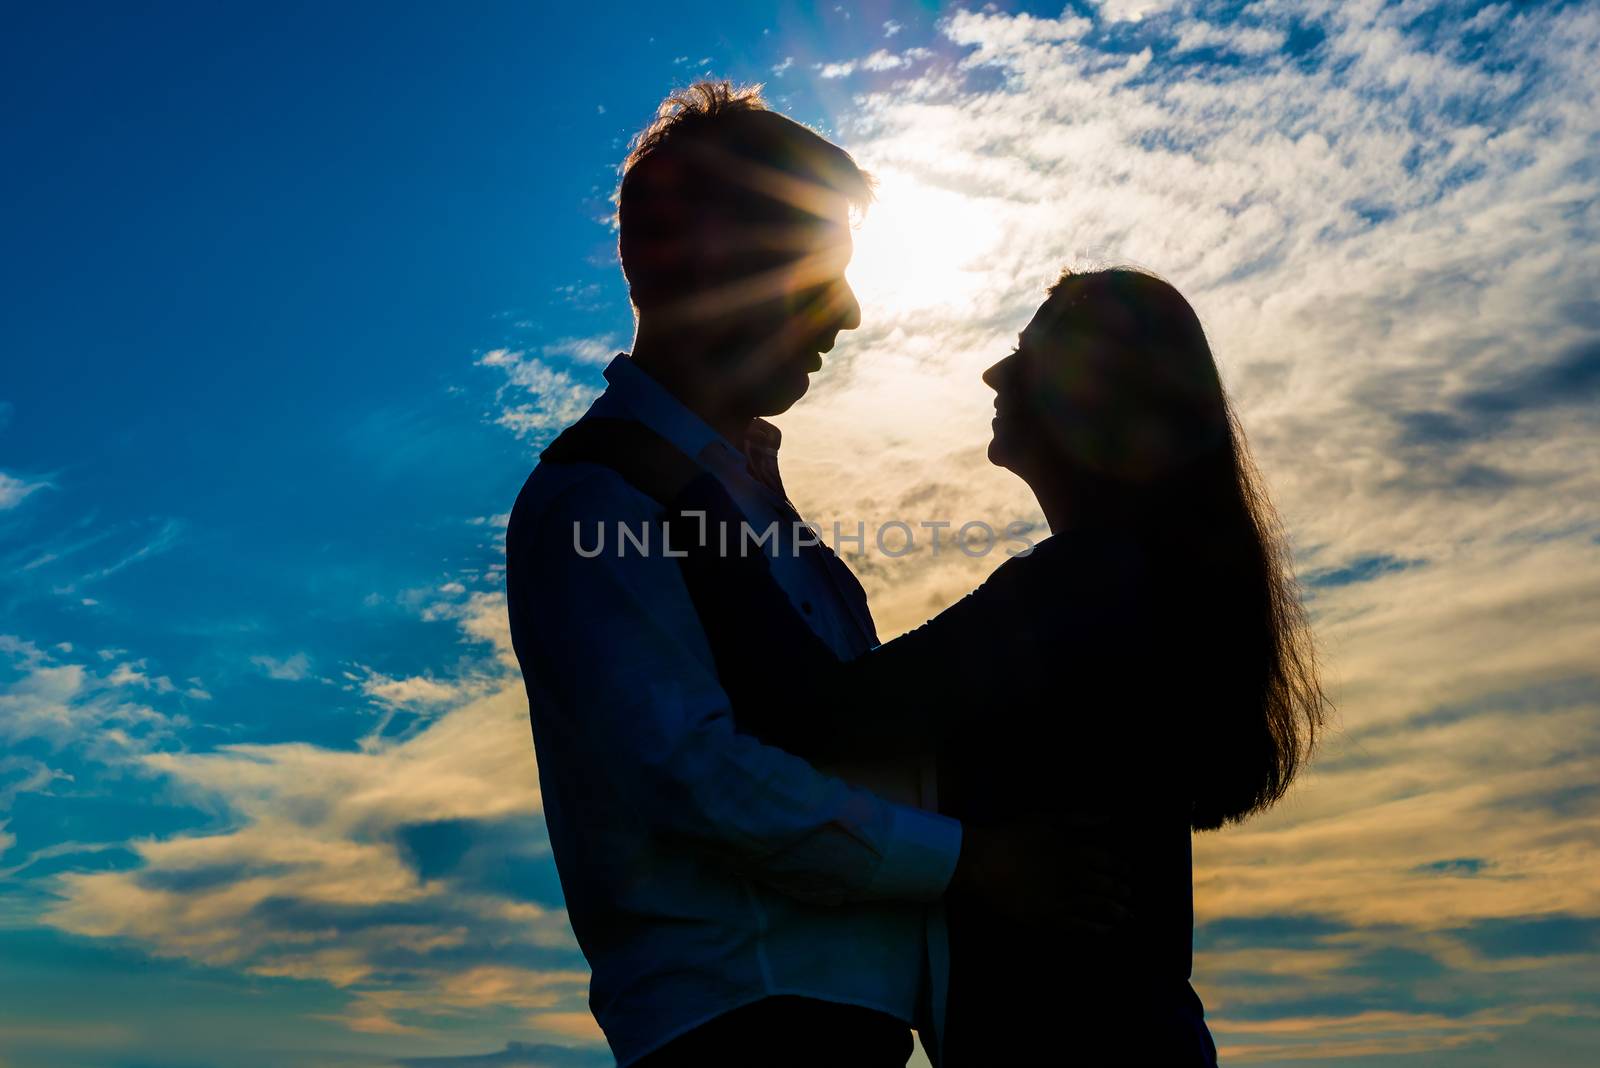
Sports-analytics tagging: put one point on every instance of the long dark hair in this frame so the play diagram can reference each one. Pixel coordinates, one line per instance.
(1150, 443)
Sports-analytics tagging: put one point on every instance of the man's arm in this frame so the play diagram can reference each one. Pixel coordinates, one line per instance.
(616, 640)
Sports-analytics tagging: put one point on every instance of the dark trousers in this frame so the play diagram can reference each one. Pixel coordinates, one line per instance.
(789, 1032)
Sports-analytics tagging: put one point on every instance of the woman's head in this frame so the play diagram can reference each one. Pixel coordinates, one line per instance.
(1112, 410)
(1111, 382)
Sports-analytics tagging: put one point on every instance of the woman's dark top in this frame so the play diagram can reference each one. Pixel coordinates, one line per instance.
(1056, 690)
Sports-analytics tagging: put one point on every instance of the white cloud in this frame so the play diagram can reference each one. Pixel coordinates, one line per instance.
(996, 35)
(15, 490)
(291, 668)
(165, 537)
(1131, 10)
(1247, 40)
(482, 618)
(557, 398)
(316, 877)
(416, 691)
(876, 62)
(1381, 245)
(1381, 239)
(132, 673)
(69, 706)
(1333, 228)
(1486, 17)
(26, 654)
(582, 349)
(31, 774)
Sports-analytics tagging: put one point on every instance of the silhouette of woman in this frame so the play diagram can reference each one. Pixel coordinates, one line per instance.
(1146, 666)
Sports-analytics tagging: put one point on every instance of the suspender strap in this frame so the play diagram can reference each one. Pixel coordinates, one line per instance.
(661, 471)
(649, 462)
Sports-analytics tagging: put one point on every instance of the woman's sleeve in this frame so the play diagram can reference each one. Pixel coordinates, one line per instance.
(787, 686)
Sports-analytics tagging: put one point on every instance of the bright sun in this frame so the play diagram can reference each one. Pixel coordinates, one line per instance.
(919, 246)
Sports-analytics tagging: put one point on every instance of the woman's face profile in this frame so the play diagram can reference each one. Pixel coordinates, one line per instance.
(1037, 388)
(1071, 397)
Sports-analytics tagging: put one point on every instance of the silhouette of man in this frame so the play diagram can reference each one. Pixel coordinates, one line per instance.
(735, 904)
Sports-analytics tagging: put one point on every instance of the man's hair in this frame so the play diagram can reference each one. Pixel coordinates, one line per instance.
(719, 185)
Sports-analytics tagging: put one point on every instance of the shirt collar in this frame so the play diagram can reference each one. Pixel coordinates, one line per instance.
(652, 404)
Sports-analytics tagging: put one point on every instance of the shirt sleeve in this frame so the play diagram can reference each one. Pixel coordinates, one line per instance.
(616, 642)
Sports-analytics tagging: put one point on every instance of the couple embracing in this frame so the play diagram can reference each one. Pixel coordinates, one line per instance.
(782, 842)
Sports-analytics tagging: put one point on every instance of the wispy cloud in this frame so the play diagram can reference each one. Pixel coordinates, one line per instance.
(582, 349)
(291, 668)
(516, 1055)
(71, 726)
(1243, 40)
(1131, 10)
(62, 704)
(14, 490)
(1331, 213)
(413, 872)
(1377, 215)
(1377, 223)
(1379, 226)
(875, 62)
(416, 691)
(537, 398)
(167, 534)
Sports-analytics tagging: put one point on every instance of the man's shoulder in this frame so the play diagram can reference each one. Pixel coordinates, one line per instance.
(558, 494)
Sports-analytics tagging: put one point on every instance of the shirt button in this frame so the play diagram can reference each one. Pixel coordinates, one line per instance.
(805, 606)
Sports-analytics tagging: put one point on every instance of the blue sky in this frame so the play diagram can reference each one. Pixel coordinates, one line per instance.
(295, 293)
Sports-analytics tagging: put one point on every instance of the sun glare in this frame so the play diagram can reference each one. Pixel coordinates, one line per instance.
(919, 246)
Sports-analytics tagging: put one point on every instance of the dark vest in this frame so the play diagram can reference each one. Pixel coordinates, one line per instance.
(660, 470)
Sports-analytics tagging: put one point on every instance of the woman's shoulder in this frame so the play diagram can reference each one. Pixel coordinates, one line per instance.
(1087, 560)
(1070, 582)
(1084, 586)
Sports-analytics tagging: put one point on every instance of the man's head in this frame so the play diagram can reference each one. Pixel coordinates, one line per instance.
(734, 235)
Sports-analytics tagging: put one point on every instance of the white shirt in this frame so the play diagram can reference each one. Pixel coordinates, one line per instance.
(702, 870)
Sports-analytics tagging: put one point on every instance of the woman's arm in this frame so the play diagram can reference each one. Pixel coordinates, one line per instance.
(789, 688)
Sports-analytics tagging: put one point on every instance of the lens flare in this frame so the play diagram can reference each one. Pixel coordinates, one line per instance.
(920, 246)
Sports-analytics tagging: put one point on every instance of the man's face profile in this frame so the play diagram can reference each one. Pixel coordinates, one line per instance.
(800, 306)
